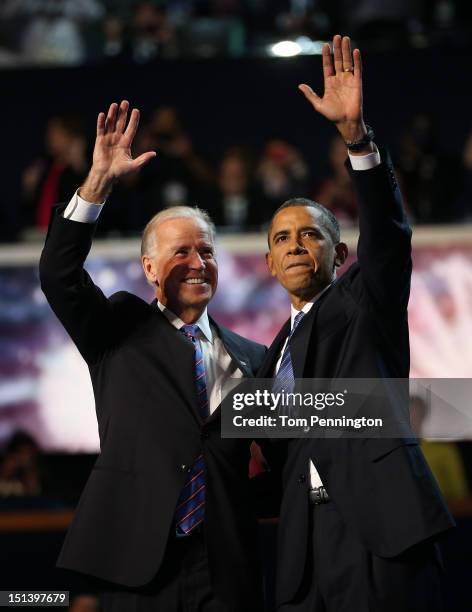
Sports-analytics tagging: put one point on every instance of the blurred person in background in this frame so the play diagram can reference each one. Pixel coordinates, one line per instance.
(238, 203)
(20, 474)
(282, 172)
(152, 34)
(51, 179)
(115, 45)
(54, 31)
(336, 191)
(184, 176)
(430, 177)
(444, 458)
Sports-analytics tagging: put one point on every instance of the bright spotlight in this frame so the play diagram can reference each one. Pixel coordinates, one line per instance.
(286, 48)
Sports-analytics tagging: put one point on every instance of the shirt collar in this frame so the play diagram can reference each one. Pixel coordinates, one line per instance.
(308, 306)
(203, 322)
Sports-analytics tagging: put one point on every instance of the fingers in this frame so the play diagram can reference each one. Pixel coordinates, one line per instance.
(143, 159)
(110, 121)
(346, 54)
(101, 124)
(328, 69)
(122, 116)
(132, 127)
(338, 54)
(309, 94)
(357, 63)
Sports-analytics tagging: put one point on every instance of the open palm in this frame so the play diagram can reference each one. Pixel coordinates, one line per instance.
(112, 155)
(342, 98)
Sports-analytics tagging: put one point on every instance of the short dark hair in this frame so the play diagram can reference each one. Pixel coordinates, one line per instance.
(329, 219)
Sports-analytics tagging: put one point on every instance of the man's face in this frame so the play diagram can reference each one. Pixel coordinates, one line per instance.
(183, 266)
(302, 254)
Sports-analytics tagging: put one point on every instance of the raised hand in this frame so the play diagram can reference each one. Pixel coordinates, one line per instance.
(342, 99)
(112, 157)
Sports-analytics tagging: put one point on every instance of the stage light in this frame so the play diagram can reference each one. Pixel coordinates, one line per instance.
(286, 48)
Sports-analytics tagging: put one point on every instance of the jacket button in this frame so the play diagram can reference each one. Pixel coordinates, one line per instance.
(184, 467)
(302, 478)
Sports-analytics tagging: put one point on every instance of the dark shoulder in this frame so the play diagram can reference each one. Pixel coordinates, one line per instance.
(252, 349)
(127, 305)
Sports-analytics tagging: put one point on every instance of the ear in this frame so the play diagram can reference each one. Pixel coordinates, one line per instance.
(341, 254)
(270, 263)
(150, 270)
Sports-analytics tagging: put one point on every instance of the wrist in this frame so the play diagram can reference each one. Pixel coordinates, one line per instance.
(96, 188)
(352, 131)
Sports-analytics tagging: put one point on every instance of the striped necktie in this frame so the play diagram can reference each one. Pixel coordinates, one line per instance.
(190, 509)
(285, 379)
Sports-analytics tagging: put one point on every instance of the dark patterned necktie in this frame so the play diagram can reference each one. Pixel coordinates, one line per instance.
(285, 379)
(190, 509)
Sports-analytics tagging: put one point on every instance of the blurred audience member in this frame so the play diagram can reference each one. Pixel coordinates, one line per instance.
(282, 172)
(182, 172)
(54, 30)
(444, 458)
(238, 204)
(152, 33)
(430, 178)
(336, 191)
(115, 45)
(51, 179)
(19, 470)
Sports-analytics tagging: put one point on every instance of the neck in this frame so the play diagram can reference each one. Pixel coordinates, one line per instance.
(298, 302)
(299, 299)
(187, 314)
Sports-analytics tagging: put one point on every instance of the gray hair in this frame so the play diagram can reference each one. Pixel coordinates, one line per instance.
(148, 242)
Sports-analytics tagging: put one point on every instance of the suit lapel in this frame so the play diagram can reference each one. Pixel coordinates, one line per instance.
(180, 355)
(267, 368)
(301, 339)
(234, 349)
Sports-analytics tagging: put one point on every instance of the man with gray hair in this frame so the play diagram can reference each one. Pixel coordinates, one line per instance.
(165, 520)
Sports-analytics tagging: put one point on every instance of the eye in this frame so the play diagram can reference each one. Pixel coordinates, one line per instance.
(207, 253)
(280, 238)
(181, 252)
(309, 233)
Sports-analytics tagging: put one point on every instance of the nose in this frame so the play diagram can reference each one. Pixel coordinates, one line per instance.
(195, 261)
(295, 247)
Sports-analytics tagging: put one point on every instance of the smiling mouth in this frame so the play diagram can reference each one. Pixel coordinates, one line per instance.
(195, 281)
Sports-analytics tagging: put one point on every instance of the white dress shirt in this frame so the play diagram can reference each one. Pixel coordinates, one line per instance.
(219, 366)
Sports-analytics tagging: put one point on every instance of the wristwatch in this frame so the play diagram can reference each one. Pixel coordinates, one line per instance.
(358, 145)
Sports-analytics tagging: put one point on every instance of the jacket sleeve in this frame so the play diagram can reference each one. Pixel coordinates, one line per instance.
(78, 303)
(384, 247)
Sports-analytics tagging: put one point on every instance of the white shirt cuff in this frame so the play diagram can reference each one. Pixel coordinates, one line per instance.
(82, 211)
(365, 162)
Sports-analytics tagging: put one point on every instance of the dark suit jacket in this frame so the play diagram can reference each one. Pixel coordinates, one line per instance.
(142, 371)
(383, 488)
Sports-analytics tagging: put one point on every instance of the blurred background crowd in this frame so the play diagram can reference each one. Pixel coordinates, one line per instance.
(241, 184)
(242, 188)
(67, 32)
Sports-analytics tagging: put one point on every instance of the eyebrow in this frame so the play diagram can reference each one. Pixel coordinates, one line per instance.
(312, 228)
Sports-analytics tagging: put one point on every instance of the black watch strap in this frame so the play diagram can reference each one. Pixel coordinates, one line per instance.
(358, 145)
